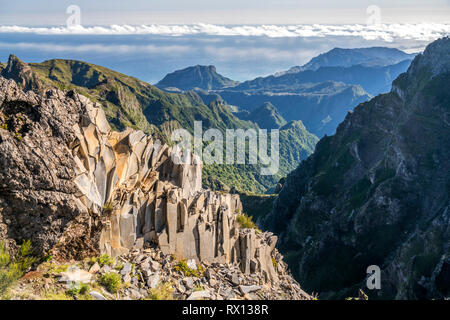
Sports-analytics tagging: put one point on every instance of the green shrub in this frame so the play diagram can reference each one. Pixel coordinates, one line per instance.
(246, 221)
(78, 289)
(108, 208)
(56, 295)
(47, 258)
(57, 269)
(274, 262)
(111, 281)
(74, 290)
(18, 136)
(162, 292)
(103, 260)
(183, 267)
(13, 268)
(84, 288)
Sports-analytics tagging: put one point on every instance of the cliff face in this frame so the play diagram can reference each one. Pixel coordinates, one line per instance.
(377, 193)
(76, 189)
(129, 102)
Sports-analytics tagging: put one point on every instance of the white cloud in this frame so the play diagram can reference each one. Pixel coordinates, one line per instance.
(270, 54)
(385, 32)
(99, 48)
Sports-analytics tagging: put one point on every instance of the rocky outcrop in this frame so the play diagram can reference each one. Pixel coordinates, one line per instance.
(151, 274)
(21, 73)
(377, 193)
(76, 188)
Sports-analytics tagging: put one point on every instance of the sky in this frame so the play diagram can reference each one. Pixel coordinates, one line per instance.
(244, 39)
(101, 12)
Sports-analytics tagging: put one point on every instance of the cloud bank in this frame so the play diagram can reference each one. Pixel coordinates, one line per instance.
(384, 32)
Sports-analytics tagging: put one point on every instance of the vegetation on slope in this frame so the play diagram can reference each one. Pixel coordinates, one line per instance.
(376, 193)
(12, 268)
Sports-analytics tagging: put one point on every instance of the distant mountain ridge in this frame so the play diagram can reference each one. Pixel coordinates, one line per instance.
(319, 93)
(373, 79)
(128, 101)
(196, 77)
(340, 57)
(320, 106)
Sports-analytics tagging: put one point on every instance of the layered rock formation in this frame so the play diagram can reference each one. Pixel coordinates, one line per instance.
(76, 188)
(377, 193)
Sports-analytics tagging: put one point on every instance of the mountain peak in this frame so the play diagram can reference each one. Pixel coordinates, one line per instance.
(196, 77)
(267, 117)
(293, 124)
(347, 57)
(435, 58)
(20, 72)
(210, 67)
(15, 65)
(433, 61)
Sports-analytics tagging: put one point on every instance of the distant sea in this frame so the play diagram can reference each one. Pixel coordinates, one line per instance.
(238, 52)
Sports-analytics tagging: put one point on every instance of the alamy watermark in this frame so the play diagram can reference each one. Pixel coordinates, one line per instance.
(374, 279)
(237, 145)
(374, 13)
(74, 20)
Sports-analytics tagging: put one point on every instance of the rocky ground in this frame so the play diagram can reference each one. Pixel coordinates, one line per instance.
(148, 274)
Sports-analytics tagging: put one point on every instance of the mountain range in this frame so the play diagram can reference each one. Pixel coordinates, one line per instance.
(343, 57)
(319, 93)
(129, 102)
(314, 101)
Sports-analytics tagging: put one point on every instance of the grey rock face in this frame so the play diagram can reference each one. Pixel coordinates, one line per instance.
(37, 170)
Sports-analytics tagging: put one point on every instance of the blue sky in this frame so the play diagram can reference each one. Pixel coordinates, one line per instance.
(238, 36)
(101, 12)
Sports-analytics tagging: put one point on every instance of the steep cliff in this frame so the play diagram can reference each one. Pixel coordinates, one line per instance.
(377, 193)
